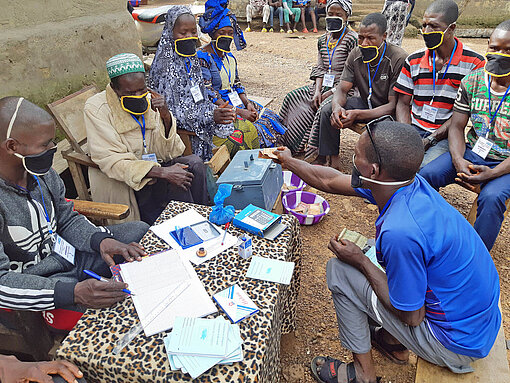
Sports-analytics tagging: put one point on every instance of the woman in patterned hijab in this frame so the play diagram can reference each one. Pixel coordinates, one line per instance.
(175, 76)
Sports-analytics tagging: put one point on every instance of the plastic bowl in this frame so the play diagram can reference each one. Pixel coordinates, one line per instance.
(294, 197)
(290, 179)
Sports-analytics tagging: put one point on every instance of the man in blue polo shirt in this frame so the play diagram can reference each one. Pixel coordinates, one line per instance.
(439, 295)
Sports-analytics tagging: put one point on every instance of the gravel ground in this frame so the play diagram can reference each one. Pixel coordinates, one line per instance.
(272, 65)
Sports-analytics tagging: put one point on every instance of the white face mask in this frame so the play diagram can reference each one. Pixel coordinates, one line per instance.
(356, 178)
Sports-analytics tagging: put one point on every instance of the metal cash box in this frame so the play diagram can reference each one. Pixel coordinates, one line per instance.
(255, 180)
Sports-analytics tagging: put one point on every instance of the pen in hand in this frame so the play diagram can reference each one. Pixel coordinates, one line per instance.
(95, 276)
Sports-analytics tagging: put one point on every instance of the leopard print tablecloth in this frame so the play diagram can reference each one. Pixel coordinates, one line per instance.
(89, 345)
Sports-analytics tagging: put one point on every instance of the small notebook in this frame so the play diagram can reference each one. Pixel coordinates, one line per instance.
(236, 303)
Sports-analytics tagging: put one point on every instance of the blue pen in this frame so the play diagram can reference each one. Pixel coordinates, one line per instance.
(95, 276)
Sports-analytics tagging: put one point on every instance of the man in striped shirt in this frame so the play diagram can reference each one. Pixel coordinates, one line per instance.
(430, 78)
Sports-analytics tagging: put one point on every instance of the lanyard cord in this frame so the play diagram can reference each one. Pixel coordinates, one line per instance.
(330, 57)
(142, 127)
(434, 70)
(46, 215)
(222, 66)
(371, 80)
(188, 64)
(500, 103)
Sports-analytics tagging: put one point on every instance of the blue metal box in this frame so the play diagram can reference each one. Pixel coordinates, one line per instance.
(255, 180)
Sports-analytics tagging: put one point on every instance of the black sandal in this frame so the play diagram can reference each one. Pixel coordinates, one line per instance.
(329, 374)
(385, 348)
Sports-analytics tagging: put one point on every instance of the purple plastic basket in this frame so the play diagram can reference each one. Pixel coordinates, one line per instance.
(290, 179)
(294, 197)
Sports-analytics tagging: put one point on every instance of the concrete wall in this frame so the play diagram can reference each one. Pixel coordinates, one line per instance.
(51, 48)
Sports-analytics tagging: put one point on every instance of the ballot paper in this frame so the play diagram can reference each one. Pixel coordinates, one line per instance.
(151, 280)
(190, 217)
(214, 337)
(271, 270)
(371, 254)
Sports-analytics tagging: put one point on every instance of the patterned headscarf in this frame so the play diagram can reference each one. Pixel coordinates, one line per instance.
(217, 16)
(345, 4)
(170, 78)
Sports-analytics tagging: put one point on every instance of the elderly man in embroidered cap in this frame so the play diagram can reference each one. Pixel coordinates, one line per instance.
(132, 137)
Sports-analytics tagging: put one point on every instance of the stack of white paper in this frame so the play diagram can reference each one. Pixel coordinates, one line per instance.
(195, 345)
(152, 279)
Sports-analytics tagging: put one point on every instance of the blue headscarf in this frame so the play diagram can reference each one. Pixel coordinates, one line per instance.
(217, 16)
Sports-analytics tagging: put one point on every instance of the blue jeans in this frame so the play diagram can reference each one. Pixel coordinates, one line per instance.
(434, 151)
(492, 198)
(279, 12)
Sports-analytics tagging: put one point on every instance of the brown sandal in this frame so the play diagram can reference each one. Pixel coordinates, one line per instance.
(385, 348)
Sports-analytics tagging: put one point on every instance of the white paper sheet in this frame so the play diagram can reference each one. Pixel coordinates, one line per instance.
(190, 217)
(151, 281)
(271, 270)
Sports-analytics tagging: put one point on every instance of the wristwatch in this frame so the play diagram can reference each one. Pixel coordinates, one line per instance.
(432, 140)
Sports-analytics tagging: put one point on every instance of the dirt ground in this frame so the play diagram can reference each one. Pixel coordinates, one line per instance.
(272, 65)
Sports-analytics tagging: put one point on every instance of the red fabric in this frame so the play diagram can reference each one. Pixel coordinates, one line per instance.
(61, 319)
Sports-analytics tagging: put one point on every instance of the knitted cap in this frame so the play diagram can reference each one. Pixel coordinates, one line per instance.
(124, 63)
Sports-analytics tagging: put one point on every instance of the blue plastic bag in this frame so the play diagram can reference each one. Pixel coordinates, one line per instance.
(222, 214)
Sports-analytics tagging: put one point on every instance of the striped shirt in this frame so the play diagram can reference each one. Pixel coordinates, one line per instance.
(416, 80)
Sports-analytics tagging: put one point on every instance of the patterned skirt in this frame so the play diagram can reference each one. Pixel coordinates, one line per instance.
(270, 127)
(396, 15)
(301, 120)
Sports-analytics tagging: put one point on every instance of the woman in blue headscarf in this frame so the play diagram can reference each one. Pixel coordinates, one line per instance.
(219, 69)
(176, 74)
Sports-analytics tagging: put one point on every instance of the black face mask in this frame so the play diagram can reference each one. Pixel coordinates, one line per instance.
(356, 181)
(136, 105)
(497, 64)
(186, 47)
(38, 164)
(434, 39)
(370, 53)
(334, 23)
(223, 43)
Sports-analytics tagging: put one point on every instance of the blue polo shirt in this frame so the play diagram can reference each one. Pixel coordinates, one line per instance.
(433, 256)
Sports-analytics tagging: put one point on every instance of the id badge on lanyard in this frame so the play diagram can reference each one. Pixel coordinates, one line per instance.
(64, 249)
(329, 80)
(235, 99)
(482, 147)
(429, 113)
(196, 93)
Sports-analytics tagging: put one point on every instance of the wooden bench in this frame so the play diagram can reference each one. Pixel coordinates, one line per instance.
(492, 369)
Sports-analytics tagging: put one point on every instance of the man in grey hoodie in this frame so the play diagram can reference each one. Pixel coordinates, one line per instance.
(36, 272)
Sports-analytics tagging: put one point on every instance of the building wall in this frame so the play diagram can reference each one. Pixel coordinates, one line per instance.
(52, 48)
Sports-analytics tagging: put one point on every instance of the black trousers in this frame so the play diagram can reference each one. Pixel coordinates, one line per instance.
(329, 136)
(152, 199)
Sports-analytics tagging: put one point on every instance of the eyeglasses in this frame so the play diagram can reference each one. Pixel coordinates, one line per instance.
(369, 127)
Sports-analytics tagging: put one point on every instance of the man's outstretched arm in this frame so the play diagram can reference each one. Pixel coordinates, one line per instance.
(320, 177)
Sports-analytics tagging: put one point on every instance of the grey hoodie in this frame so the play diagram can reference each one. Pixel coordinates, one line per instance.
(26, 258)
